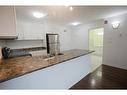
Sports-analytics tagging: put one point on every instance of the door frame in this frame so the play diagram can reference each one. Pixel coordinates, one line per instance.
(103, 38)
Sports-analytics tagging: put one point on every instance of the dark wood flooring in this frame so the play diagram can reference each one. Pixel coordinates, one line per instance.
(104, 77)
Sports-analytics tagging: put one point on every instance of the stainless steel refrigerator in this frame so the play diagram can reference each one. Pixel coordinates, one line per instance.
(53, 44)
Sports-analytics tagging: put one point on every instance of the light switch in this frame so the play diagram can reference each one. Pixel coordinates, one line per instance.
(120, 34)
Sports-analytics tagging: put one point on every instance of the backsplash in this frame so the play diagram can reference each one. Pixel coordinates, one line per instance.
(31, 49)
(19, 44)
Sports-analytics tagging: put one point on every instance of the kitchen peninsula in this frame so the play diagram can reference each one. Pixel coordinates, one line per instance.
(38, 72)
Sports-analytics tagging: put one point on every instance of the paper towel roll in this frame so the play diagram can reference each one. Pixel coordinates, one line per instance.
(0, 53)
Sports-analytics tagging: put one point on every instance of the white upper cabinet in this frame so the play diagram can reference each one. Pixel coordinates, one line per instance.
(30, 30)
(7, 22)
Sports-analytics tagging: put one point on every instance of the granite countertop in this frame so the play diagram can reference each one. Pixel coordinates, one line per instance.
(14, 67)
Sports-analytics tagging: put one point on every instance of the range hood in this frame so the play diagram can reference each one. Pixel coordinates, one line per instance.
(8, 37)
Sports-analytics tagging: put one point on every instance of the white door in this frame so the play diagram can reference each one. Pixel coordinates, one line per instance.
(96, 44)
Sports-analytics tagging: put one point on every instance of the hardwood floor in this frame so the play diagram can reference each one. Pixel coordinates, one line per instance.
(104, 77)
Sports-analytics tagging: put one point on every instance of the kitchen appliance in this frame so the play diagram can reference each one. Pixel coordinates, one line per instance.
(5, 52)
(10, 53)
(53, 44)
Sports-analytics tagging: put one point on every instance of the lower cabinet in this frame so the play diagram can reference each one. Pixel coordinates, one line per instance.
(60, 76)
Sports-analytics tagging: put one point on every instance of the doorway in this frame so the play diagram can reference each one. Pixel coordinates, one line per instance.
(96, 44)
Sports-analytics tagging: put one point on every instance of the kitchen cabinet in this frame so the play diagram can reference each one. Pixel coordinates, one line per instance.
(7, 22)
(20, 30)
(33, 31)
(30, 30)
(60, 76)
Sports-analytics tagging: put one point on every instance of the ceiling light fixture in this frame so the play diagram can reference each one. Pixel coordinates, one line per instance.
(39, 15)
(75, 23)
(115, 24)
(71, 8)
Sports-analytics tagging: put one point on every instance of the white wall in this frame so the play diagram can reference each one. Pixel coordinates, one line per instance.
(115, 47)
(115, 43)
(80, 34)
(65, 35)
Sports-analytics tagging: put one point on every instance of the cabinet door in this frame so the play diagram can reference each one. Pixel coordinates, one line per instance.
(39, 31)
(19, 29)
(7, 22)
(30, 31)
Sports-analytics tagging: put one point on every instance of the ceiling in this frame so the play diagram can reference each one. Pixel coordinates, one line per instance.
(62, 14)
